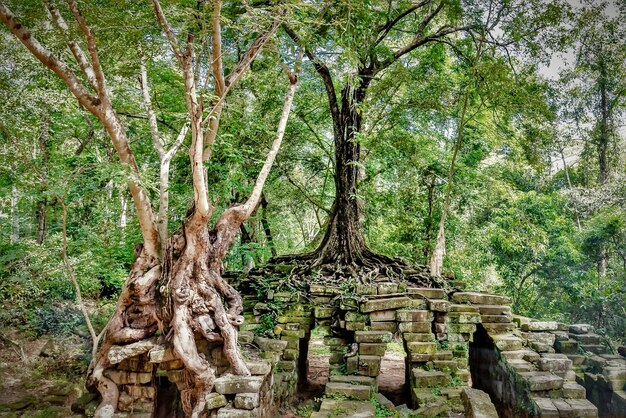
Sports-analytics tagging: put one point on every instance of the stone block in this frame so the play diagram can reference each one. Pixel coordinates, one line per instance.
(462, 328)
(594, 348)
(372, 349)
(364, 365)
(231, 412)
(541, 347)
(290, 354)
(583, 408)
(499, 328)
(554, 363)
(463, 308)
(335, 341)
(421, 348)
(214, 400)
(480, 298)
(286, 366)
(356, 380)
(521, 365)
(587, 338)
(121, 377)
(385, 304)
(545, 407)
(270, 344)
(138, 391)
(577, 359)
(229, 384)
(300, 333)
(540, 326)
(336, 358)
(429, 378)
(387, 288)
(413, 315)
(160, 354)
(538, 381)
(422, 396)
(356, 316)
(494, 309)
(284, 319)
(580, 329)
(477, 404)
(566, 346)
(364, 289)
(572, 390)
(465, 317)
(259, 368)
(246, 400)
(528, 355)
(418, 358)
(496, 319)
(546, 338)
(445, 365)
(418, 337)
(439, 305)
(360, 392)
(171, 365)
(429, 293)
(245, 337)
(332, 408)
(138, 364)
(443, 355)
(293, 343)
(355, 326)
(372, 337)
(384, 326)
(507, 342)
(383, 316)
(415, 327)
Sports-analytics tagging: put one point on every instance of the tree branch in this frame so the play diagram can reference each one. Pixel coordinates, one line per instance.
(93, 51)
(383, 30)
(324, 73)
(77, 52)
(154, 129)
(48, 59)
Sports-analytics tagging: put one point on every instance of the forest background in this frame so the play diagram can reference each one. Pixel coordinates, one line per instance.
(530, 115)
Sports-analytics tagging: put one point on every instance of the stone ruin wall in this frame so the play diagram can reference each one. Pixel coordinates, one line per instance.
(452, 341)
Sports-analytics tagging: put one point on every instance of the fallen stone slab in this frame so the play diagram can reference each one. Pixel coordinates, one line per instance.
(587, 338)
(355, 380)
(429, 293)
(413, 315)
(269, 344)
(477, 404)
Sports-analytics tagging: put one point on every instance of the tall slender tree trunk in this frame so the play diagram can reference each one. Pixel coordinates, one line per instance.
(439, 252)
(602, 148)
(42, 204)
(15, 220)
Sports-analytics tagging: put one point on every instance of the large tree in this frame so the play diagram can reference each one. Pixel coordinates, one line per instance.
(175, 284)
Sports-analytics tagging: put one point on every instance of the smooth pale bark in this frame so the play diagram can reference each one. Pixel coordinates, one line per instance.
(165, 157)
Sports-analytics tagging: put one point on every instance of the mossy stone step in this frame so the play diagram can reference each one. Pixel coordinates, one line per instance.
(356, 380)
(360, 392)
(333, 408)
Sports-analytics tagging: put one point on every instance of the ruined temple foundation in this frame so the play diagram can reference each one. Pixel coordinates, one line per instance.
(466, 353)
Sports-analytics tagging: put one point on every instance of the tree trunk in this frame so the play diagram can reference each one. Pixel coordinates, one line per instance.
(343, 242)
(602, 147)
(42, 204)
(15, 220)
